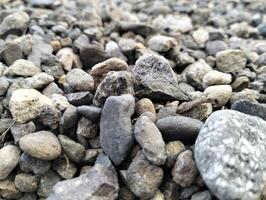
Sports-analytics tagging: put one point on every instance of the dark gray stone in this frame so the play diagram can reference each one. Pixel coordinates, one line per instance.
(19, 130)
(90, 112)
(11, 53)
(87, 128)
(49, 116)
(180, 128)
(80, 98)
(115, 127)
(229, 149)
(52, 66)
(69, 118)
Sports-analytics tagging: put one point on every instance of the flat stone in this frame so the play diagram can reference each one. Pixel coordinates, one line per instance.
(161, 43)
(229, 148)
(11, 52)
(19, 130)
(150, 139)
(117, 131)
(216, 78)
(98, 183)
(69, 117)
(9, 158)
(26, 182)
(180, 128)
(250, 108)
(90, 112)
(42, 145)
(80, 98)
(114, 84)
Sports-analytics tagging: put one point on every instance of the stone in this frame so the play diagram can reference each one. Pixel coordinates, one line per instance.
(69, 118)
(213, 47)
(79, 80)
(117, 131)
(4, 84)
(161, 43)
(47, 181)
(225, 156)
(250, 108)
(26, 182)
(90, 112)
(28, 196)
(91, 155)
(9, 158)
(180, 128)
(127, 46)
(30, 164)
(144, 105)
(114, 84)
(201, 36)
(51, 65)
(137, 27)
(150, 115)
(52, 88)
(240, 83)
(143, 178)
(100, 70)
(173, 149)
(216, 78)
(187, 192)
(42, 145)
(246, 94)
(87, 128)
(79, 98)
(113, 50)
(184, 171)
(60, 102)
(125, 194)
(15, 23)
(69, 59)
(230, 60)
(49, 116)
(205, 195)
(98, 183)
(218, 94)
(150, 68)
(41, 3)
(72, 149)
(65, 168)
(19, 130)
(150, 139)
(11, 52)
(25, 104)
(23, 68)
(8, 190)
(37, 81)
(200, 112)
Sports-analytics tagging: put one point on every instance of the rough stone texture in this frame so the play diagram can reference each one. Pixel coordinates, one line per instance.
(184, 171)
(51, 65)
(205, 195)
(90, 112)
(230, 60)
(161, 43)
(8, 190)
(87, 128)
(153, 68)
(216, 78)
(65, 168)
(26, 182)
(9, 158)
(43, 145)
(25, 104)
(98, 183)
(218, 94)
(180, 128)
(114, 84)
(116, 131)
(19, 130)
(229, 149)
(49, 116)
(60, 102)
(37, 81)
(69, 117)
(11, 52)
(144, 105)
(173, 149)
(80, 98)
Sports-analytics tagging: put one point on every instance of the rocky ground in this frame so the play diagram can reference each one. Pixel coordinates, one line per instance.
(132, 99)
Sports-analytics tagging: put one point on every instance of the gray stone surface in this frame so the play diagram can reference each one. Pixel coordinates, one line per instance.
(90, 112)
(229, 154)
(116, 131)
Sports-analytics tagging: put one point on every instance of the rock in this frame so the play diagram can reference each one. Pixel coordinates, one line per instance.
(125, 194)
(26, 182)
(79, 80)
(25, 104)
(100, 70)
(144, 105)
(72, 149)
(87, 128)
(216, 78)
(8, 190)
(30, 164)
(162, 43)
(15, 23)
(28, 196)
(162, 91)
(150, 68)
(143, 178)
(113, 50)
(19, 130)
(51, 89)
(213, 47)
(114, 84)
(205, 195)
(184, 171)
(137, 27)
(69, 59)
(150, 115)
(80, 98)
(246, 94)
(37, 81)
(91, 55)
(228, 155)
(42, 145)
(200, 112)
(23, 68)
(4, 84)
(46, 183)
(180, 128)
(65, 168)
(11, 52)
(51, 65)
(250, 108)
(49, 116)
(187, 192)
(9, 158)
(240, 83)
(90, 155)
(69, 117)
(117, 131)
(42, 3)
(60, 102)
(173, 149)
(230, 60)
(218, 94)
(90, 112)
(150, 139)
(201, 36)
(98, 183)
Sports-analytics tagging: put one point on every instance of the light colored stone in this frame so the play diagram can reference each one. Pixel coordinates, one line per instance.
(219, 94)
(216, 78)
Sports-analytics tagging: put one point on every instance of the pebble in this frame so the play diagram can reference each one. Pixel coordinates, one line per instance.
(11, 52)
(87, 128)
(79, 80)
(201, 36)
(69, 59)
(161, 43)
(80, 98)
(224, 155)
(219, 94)
(230, 60)
(25, 104)
(60, 102)
(26, 182)
(216, 78)
(117, 131)
(144, 105)
(49, 116)
(90, 112)
(9, 158)
(69, 117)
(65, 168)
(4, 84)
(180, 128)
(240, 83)
(173, 149)
(216, 46)
(37, 81)
(8, 190)
(51, 65)
(205, 195)
(150, 139)
(246, 94)
(23, 68)
(19, 130)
